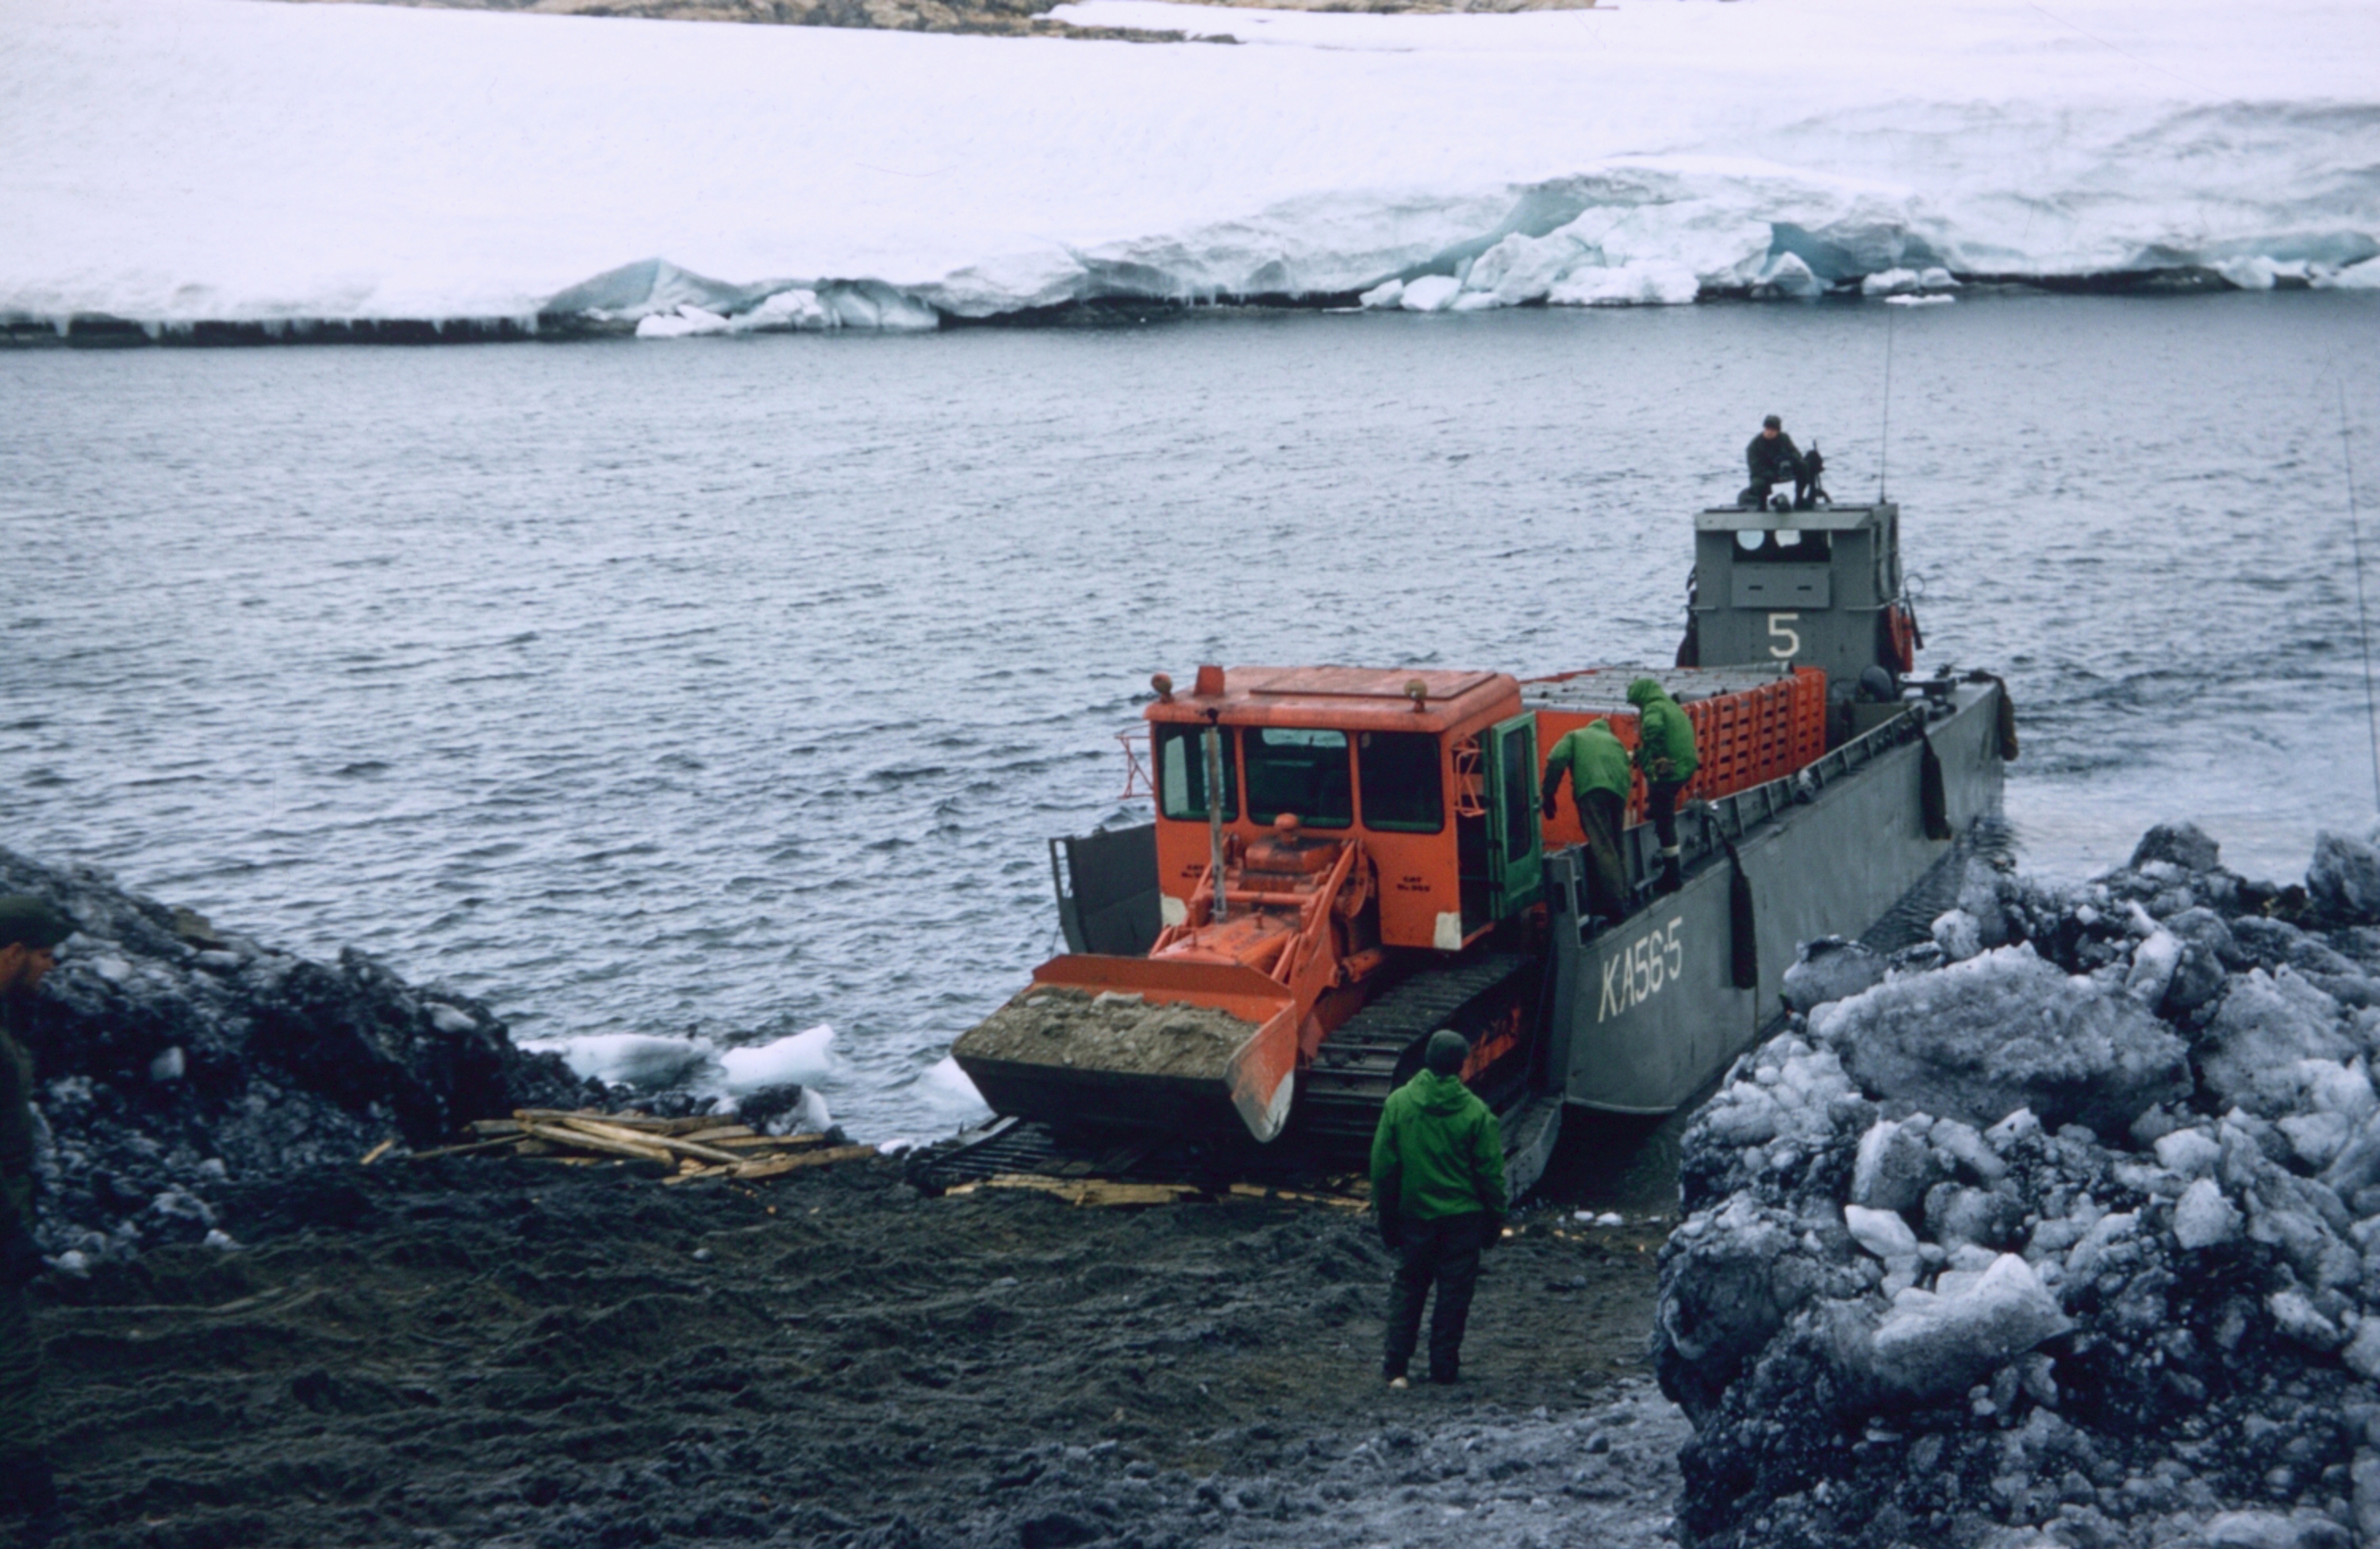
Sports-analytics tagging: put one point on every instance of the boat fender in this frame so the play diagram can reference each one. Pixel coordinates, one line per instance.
(1933, 801)
(1743, 937)
(2007, 712)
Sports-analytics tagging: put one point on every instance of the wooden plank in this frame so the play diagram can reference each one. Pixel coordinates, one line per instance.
(579, 1140)
(495, 1127)
(380, 1150)
(777, 1165)
(469, 1148)
(718, 1132)
(1096, 1192)
(1108, 1194)
(697, 1172)
(666, 1142)
(630, 1120)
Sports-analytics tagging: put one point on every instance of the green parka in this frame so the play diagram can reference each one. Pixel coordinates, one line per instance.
(1662, 732)
(1594, 758)
(1437, 1152)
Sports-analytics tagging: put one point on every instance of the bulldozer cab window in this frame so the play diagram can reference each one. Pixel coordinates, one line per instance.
(1182, 773)
(1293, 769)
(1404, 792)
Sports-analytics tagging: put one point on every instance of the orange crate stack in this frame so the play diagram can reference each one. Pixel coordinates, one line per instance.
(1752, 725)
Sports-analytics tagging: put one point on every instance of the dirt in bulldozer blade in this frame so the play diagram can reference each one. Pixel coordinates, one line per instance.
(1054, 1025)
(508, 1352)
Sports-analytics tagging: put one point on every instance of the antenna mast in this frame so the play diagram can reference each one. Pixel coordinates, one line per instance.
(1884, 436)
(2363, 617)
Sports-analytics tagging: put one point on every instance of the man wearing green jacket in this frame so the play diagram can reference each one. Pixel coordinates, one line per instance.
(1665, 751)
(30, 932)
(1438, 1182)
(1600, 779)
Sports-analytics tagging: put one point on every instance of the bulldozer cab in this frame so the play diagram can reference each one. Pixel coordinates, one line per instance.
(1433, 772)
(1310, 822)
(1515, 848)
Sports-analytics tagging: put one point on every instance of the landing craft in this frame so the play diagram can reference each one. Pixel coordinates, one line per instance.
(1345, 860)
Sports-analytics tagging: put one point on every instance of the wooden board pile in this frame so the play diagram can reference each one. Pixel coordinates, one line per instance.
(696, 1148)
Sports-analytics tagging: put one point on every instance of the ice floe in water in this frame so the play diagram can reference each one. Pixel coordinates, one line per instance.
(655, 1062)
(281, 167)
(952, 1096)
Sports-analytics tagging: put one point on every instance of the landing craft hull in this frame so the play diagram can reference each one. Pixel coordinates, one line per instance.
(1644, 1013)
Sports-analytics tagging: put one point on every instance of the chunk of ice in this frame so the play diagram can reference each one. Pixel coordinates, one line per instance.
(801, 1057)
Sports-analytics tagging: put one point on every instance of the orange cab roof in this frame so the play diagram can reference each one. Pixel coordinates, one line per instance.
(1370, 698)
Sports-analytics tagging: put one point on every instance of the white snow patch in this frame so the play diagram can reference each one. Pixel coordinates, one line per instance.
(802, 1057)
(635, 1058)
(684, 322)
(654, 1060)
(280, 164)
(947, 1089)
(1430, 293)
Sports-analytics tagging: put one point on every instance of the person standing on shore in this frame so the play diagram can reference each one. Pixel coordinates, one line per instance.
(1599, 781)
(29, 933)
(1665, 751)
(1438, 1182)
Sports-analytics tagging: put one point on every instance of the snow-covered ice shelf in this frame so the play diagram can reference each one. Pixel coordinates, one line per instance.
(170, 161)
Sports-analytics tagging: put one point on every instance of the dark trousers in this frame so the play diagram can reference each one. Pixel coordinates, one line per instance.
(1446, 1252)
(1758, 495)
(20, 1377)
(1604, 814)
(27, 1489)
(1661, 805)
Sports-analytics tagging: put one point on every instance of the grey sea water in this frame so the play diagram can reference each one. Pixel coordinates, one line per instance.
(735, 686)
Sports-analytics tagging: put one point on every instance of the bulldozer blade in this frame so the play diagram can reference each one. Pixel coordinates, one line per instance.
(1141, 1043)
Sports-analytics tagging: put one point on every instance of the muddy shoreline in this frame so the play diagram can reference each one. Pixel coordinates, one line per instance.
(505, 1353)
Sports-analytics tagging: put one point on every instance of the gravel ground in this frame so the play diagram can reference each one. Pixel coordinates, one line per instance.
(513, 1353)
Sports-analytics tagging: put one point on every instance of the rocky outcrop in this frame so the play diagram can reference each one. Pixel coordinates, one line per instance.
(173, 1060)
(2072, 1240)
(999, 17)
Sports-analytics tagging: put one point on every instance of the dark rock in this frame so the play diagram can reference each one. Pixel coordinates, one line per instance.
(170, 1071)
(2183, 843)
(2345, 877)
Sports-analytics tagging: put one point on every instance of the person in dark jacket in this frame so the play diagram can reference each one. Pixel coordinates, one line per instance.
(1666, 752)
(1438, 1182)
(1773, 459)
(1599, 783)
(29, 933)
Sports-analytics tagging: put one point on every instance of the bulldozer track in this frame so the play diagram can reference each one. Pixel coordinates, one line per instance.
(1339, 1106)
(1357, 1066)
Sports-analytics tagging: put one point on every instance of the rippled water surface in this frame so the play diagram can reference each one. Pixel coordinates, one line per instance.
(735, 686)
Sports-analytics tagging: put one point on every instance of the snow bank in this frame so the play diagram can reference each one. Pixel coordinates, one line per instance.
(178, 161)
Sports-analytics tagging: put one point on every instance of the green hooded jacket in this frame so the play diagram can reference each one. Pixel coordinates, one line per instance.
(1663, 731)
(1437, 1152)
(1594, 758)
